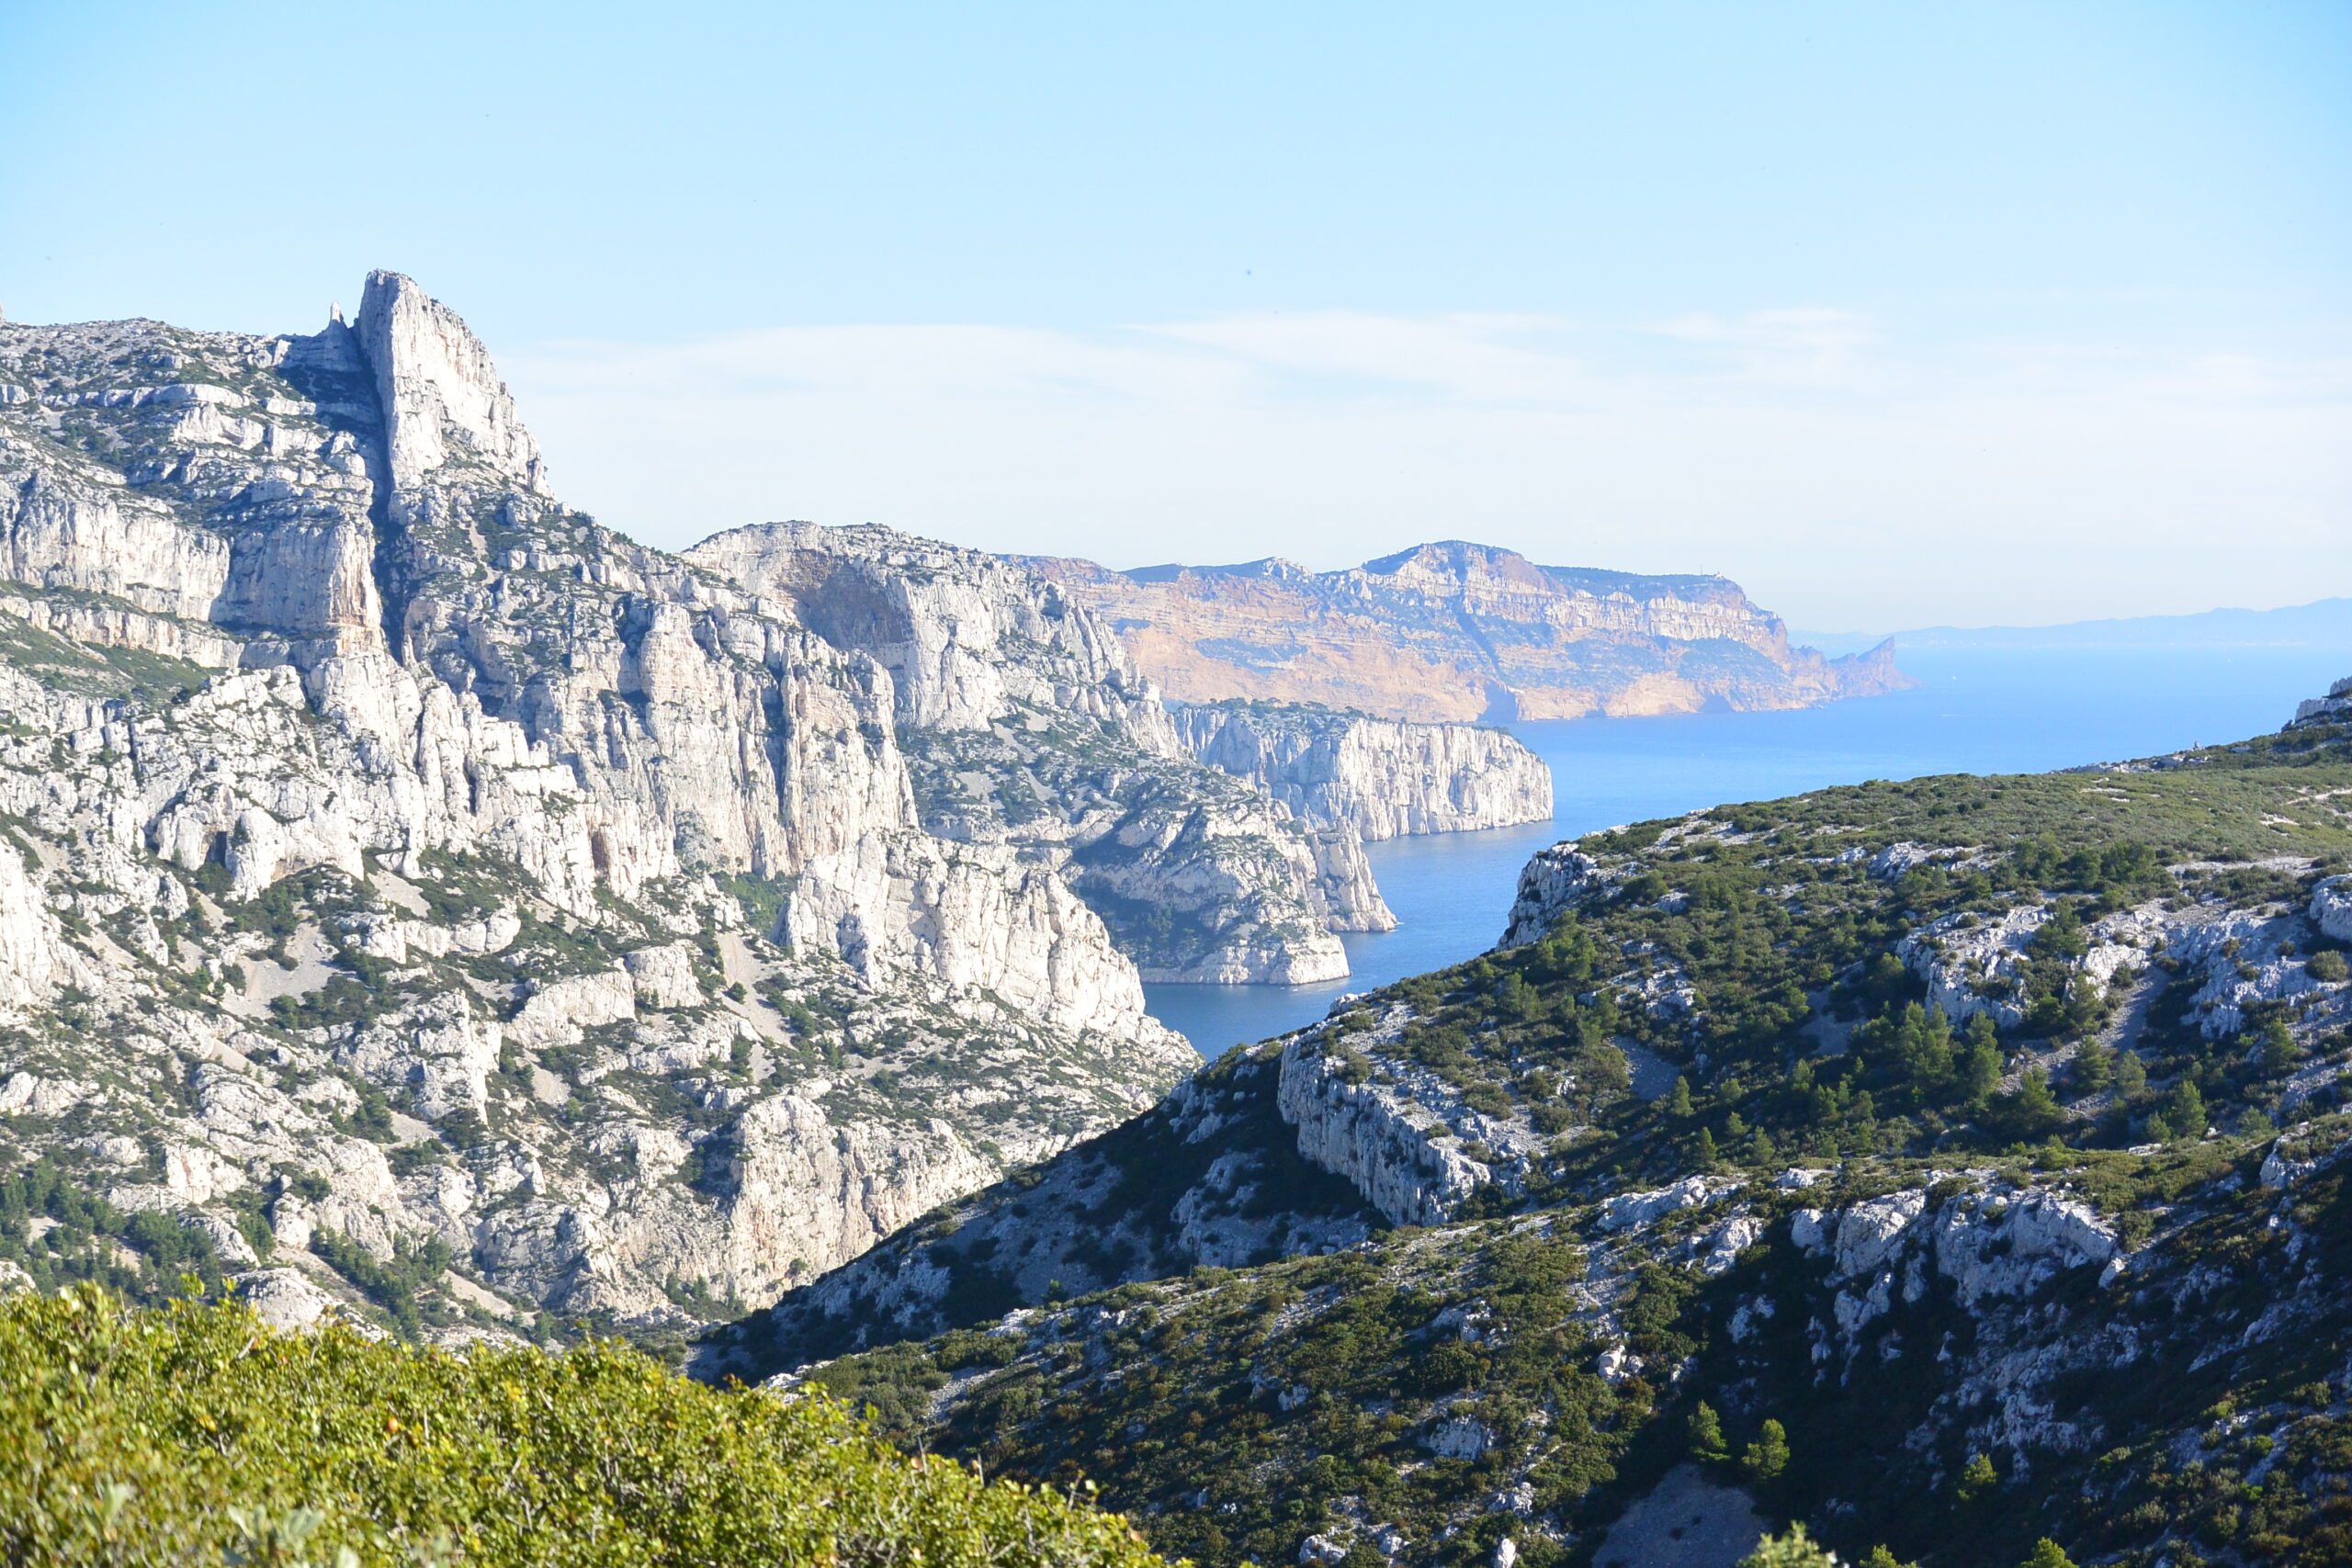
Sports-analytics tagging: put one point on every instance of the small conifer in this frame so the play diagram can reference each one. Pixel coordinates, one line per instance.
(1707, 1433)
(1767, 1456)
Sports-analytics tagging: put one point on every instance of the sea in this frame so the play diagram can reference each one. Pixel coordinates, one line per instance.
(1995, 704)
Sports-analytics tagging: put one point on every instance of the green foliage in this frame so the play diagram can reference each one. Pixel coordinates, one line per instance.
(1707, 1433)
(1978, 1479)
(2183, 1116)
(1281, 1391)
(195, 1435)
(2047, 1554)
(1794, 1549)
(392, 1285)
(1678, 1099)
(1767, 1456)
(762, 897)
(60, 1233)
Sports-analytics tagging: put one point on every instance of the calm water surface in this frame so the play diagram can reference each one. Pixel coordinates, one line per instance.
(1977, 710)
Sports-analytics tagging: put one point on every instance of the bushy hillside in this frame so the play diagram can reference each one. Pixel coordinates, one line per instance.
(1948, 1164)
(1954, 1363)
(196, 1435)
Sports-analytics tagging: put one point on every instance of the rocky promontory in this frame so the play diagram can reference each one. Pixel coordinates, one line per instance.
(1381, 777)
(1457, 632)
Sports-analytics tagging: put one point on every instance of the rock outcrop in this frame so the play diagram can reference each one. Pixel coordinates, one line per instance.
(1404, 1158)
(2334, 708)
(1553, 882)
(1381, 777)
(1456, 632)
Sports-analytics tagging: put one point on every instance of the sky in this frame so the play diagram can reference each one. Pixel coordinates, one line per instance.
(1899, 315)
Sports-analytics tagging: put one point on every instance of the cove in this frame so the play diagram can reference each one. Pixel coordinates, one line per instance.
(1977, 710)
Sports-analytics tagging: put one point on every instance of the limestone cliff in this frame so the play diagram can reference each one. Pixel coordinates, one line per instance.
(1380, 777)
(2334, 708)
(394, 852)
(1026, 727)
(1455, 632)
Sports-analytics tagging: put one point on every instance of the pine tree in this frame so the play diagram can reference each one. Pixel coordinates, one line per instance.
(1979, 1479)
(2034, 1109)
(2185, 1110)
(2131, 1076)
(1881, 1557)
(1767, 1456)
(1704, 1153)
(2047, 1554)
(1678, 1099)
(1980, 1065)
(2278, 1047)
(1707, 1433)
(2094, 1066)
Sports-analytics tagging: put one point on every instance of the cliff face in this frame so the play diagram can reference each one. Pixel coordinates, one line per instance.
(1380, 777)
(1026, 728)
(1457, 632)
(397, 852)
(2334, 708)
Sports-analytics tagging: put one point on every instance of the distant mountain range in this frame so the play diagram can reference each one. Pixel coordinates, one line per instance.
(2323, 623)
(1458, 631)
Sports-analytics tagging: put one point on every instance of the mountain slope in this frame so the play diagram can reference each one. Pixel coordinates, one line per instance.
(1881, 1113)
(399, 863)
(1455, 632)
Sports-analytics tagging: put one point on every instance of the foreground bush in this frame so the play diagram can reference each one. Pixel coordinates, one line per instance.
(194, 1434)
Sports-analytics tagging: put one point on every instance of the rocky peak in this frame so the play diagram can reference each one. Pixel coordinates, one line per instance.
(435, 381)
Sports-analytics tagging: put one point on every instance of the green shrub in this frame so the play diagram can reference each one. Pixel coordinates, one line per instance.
(1794, 1549)
(195, 1435)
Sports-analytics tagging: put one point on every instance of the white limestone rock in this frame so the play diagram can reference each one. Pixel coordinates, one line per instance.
(1992, 1247)
(974, 916)
(664, 976)
(30, 957)
(2334, 708)
(438, 384)
(2331, 907)
(1389, 1148)
(1381, 777)
(1628, 1210)
(284, 1299)
(1024, 724)
(1552, 883)
(557, 1011)
(498, 744)
(1461, 1437)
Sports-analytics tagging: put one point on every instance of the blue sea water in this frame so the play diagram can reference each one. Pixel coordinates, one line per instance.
(1977, 709)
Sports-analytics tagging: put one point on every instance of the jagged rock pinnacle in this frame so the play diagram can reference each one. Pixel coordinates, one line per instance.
(435, 380)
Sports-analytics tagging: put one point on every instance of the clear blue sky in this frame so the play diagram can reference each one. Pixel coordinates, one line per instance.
(1524, 272)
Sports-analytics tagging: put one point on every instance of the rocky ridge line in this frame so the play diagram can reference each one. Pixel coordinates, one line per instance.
(1456, 632)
